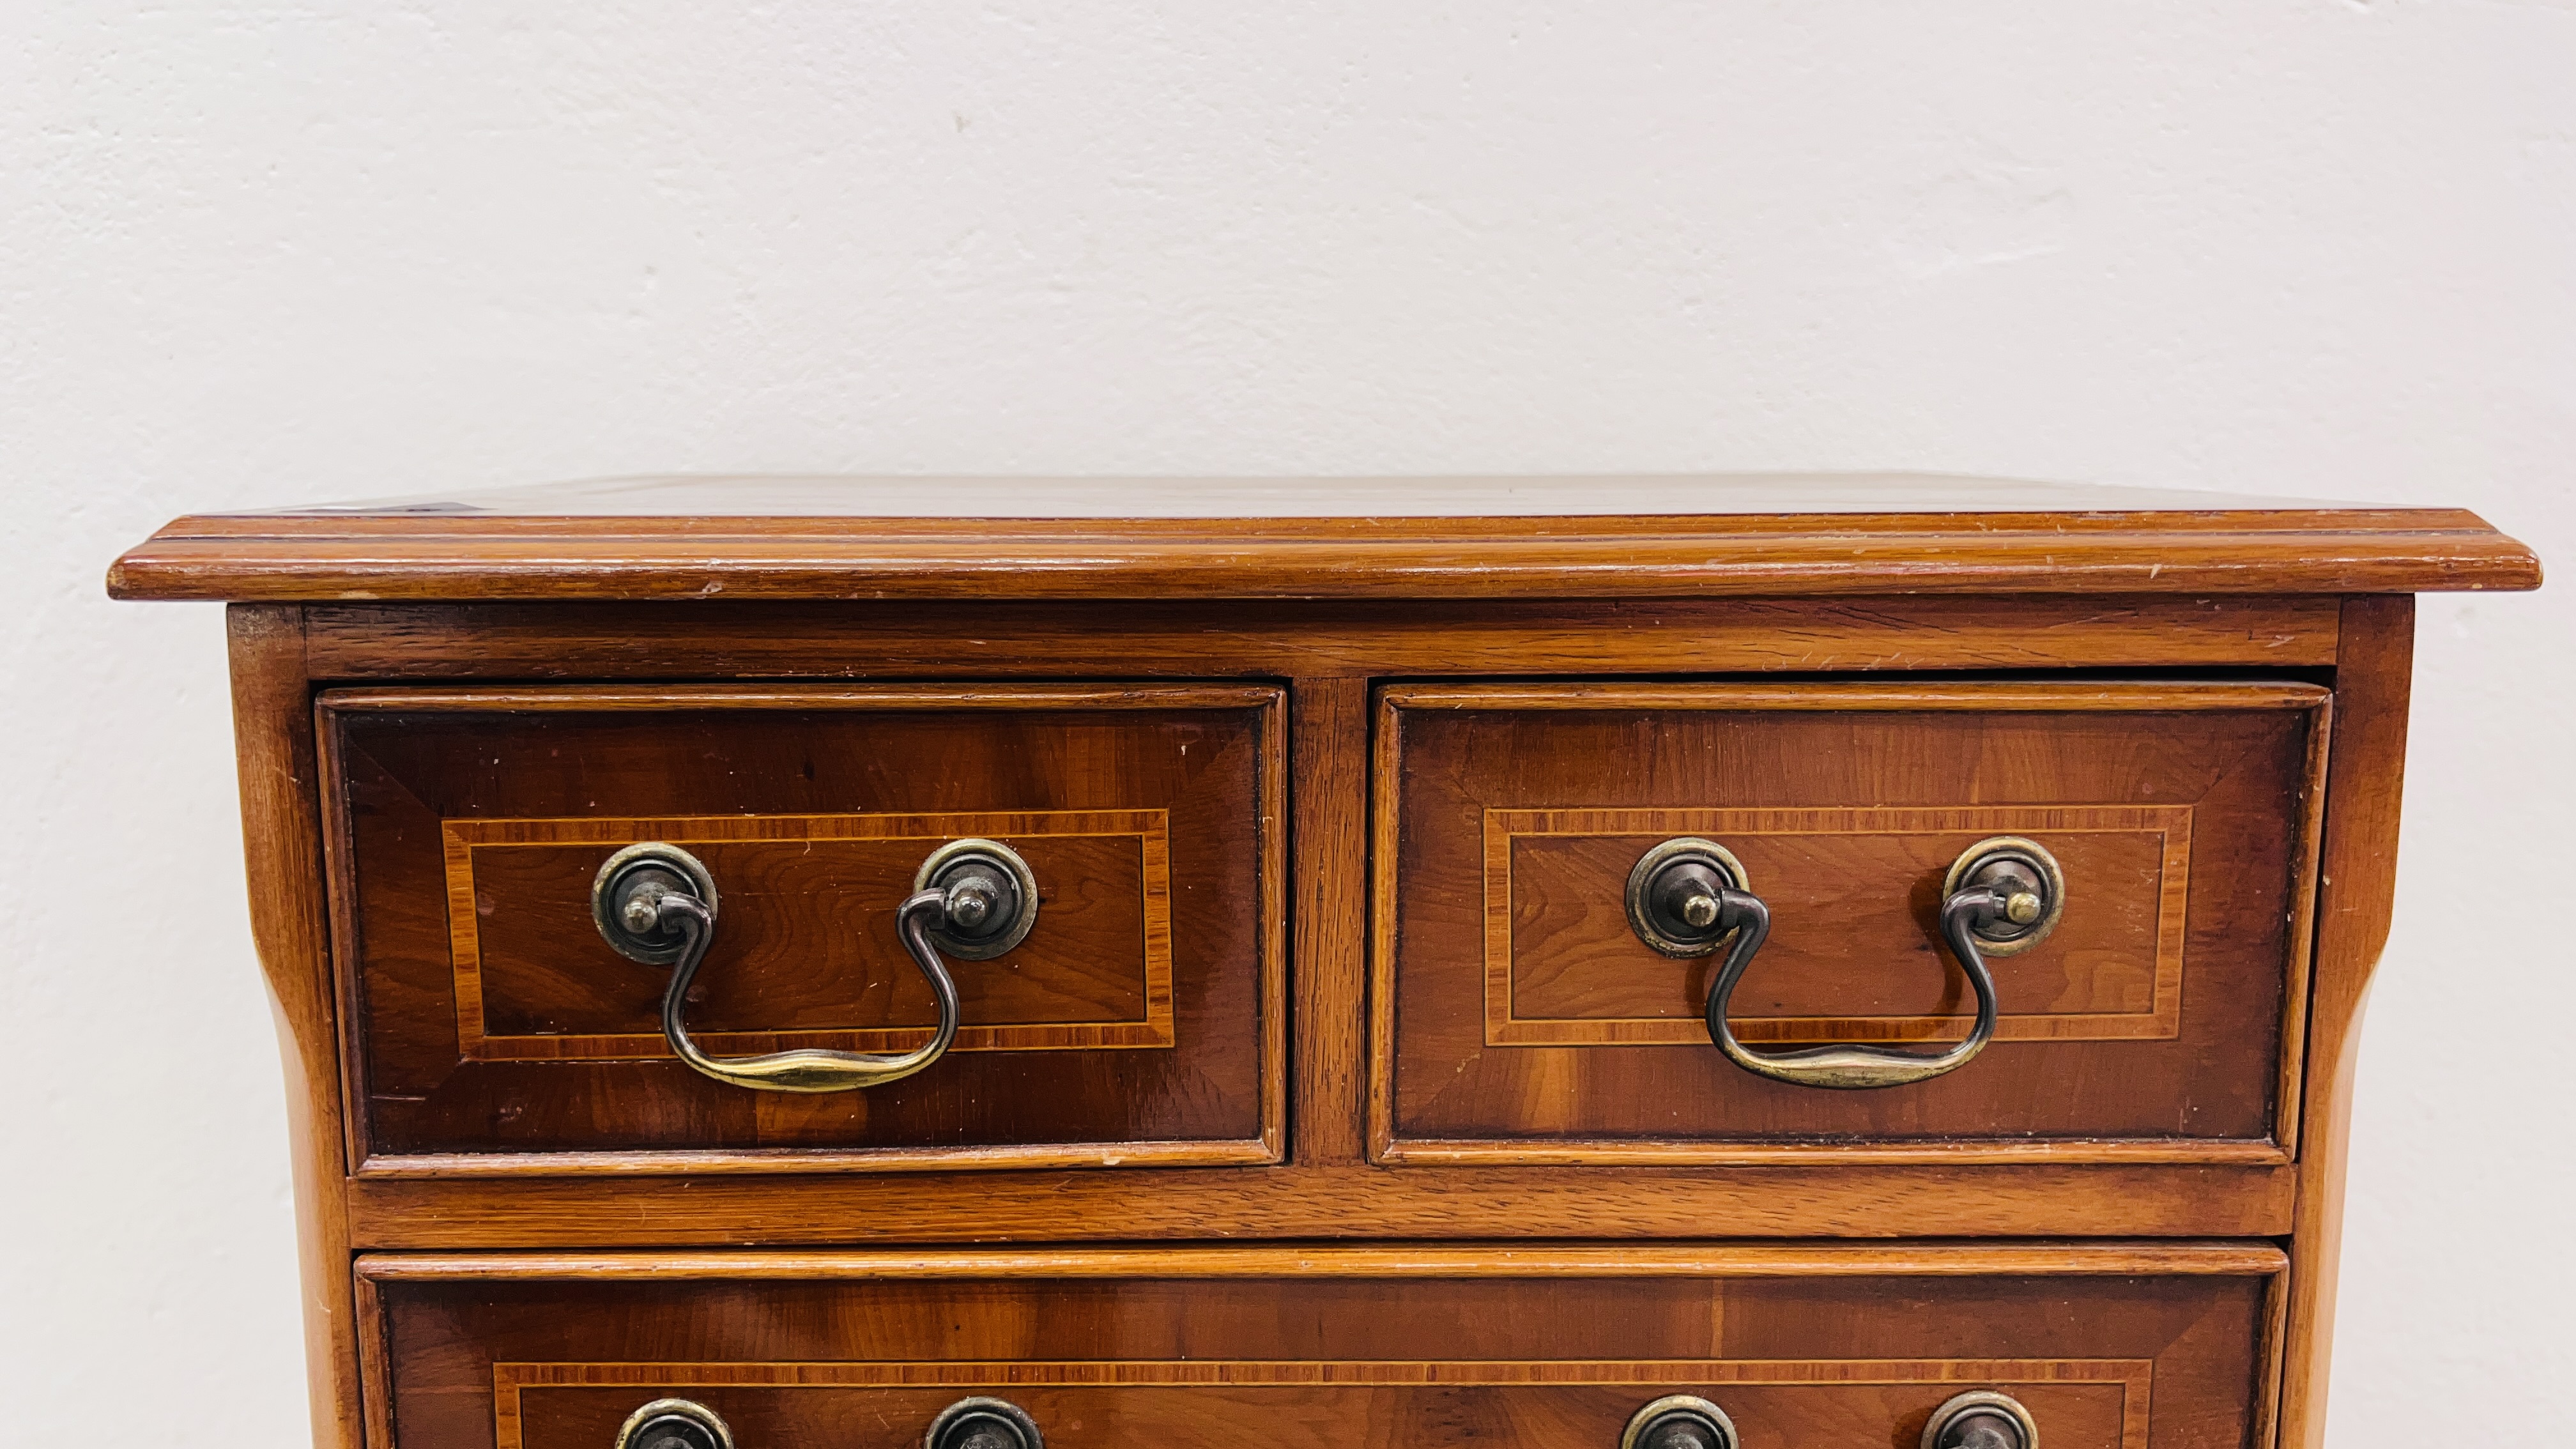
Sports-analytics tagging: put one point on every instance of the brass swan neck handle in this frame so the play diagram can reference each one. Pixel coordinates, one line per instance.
(656, 903)
(1853, 1067)
(807, 1069)
(1687, 896)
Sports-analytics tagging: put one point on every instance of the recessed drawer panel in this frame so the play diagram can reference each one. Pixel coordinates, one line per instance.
(2141, 855)
(1127, 1010)
(2105, 1346)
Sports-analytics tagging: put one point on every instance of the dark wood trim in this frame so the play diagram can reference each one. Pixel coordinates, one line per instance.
(2270, 1349)
(808, 1162)
(375, 1362)
(2035, 696)
(554, 698)
(2307, 852)
(1278, 742)
(1386, 749)
(1627, 1152)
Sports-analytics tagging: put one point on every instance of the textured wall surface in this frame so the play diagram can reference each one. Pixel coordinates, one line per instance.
(256, 254)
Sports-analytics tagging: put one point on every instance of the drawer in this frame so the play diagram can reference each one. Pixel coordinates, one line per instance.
(2151, 1011)
(491, 1026)
(2120, 1346)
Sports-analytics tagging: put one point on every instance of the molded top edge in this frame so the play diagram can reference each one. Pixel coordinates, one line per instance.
(1347, 538)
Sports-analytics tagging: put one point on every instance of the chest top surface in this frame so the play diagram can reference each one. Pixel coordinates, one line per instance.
(1172, 537)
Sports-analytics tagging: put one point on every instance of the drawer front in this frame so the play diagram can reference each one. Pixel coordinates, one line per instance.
(494, 1028)
(1522, 1015)
(1319, 1349)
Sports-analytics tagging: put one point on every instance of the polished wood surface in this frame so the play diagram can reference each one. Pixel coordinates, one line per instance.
(1562, 966)
(803, 967)
(1379, 1209)
(289, 918)
(1318, 538)
(1308, 1198)
(1331, 724)
(1143, 1020)
(1313, 640)
(1302, 1404)
(2128, 1345)
(1890, 1197)
(1365, 1261)
(2372, 687)
(1521, 1020)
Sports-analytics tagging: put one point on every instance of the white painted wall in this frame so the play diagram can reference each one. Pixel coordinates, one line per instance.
(265, 253)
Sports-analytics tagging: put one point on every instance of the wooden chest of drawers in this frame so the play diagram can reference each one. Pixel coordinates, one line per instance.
(1654, 963)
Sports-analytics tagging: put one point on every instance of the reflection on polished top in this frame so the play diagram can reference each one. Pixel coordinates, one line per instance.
(1140, 538)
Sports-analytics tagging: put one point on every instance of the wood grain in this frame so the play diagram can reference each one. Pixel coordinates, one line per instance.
(1936, 762)
(1793, 1197)
(375, 1362)
(1330, 718)
(2033, 696)
(666, 698)
(1396, 1260)
(1563, 968)
(1308, 639)
(1809, 1345)
(1326, 1405)
(1099, 977)
(2128, 1210)
(282, 843)
(2273, 1349)
(445, 556)
(1185, 938)
(2358, 874)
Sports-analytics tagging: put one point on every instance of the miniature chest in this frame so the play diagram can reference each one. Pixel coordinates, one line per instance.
(1654, 963)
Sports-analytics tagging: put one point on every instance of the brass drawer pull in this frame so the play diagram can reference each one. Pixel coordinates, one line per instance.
(656, 903)
(981, 1423)
(674, 1424)
(1981, 1420)
(1687, 896)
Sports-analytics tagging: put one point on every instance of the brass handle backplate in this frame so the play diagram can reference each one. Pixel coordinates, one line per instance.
(1682, 1421)
(1984, 1419)
(1676, 893)
(1687, 897)
(982, 1423)
(2025, 876)
(656, 903)
(674, 1424)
